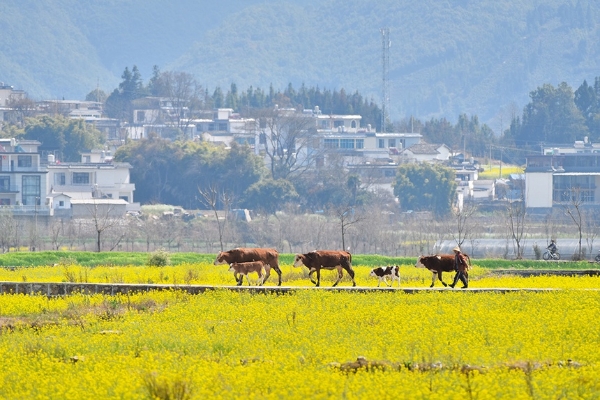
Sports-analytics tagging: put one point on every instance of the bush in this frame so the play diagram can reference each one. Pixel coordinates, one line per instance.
(159, 258)
(537, 251)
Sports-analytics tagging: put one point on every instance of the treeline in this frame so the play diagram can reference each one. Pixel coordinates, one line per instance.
(183, 89)
(328, 101)
(200, 175)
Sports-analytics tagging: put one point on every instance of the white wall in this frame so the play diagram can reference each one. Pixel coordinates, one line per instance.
(538, 189)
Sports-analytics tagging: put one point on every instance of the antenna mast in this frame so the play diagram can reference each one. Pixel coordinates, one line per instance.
(385, 59)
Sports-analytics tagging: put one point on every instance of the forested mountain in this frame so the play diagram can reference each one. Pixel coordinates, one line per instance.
(479, 57)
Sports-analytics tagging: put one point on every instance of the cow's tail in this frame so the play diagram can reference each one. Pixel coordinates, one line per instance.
(469, 265)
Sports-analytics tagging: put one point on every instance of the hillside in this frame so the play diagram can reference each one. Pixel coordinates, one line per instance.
(457, 56)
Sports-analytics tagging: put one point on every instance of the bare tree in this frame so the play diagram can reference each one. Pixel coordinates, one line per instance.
(591, 226)
(184, 94)
(346, 216)
(22, 107)
(7, 230)
(574, 209)
(461, 219)
(515, 222)
(288, 139)
(103, 217)
(57, 233)
(213, 196)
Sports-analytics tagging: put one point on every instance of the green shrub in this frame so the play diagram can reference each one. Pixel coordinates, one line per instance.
(159, 258)
(537, 251)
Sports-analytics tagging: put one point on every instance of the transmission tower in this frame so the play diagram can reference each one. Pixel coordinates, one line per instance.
(385, 61)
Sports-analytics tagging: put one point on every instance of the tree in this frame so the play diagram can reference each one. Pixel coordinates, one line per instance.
(286, 135)
(270, 195)
(171, 172)
(119, 102)
(22, 107)
(425, 187)
(551, 117)
(96, 95)
(183, 92)
(211, 196)
(462, 217)
(67, 137)
(103, 218)
(515, 222)
(573, 207)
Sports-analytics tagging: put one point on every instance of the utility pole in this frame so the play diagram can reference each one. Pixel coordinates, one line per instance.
(385, 59)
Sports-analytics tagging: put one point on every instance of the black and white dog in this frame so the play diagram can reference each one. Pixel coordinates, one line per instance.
(382, 273)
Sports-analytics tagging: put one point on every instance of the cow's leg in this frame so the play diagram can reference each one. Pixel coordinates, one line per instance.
(441, 280)
(433, 276)
(310, 272)
(386, 281)
(241, 280)
(318, 283)
(340, 275)
(267, 273)
(378, 281)
(350, 271)
(276, 268)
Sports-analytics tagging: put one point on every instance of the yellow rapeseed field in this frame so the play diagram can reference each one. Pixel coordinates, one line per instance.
(447, 344)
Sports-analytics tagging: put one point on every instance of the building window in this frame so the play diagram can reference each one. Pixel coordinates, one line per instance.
(4, 202)
(141, 116)
(24, 161)
(353, 124)
(31, 190)
(223, 126)
(4, 183)
(392, 143)
(81, 178)
(381, 143)
(211, 127)
(61, 203)
(360, 143)
(337, 124)
(346, 143)
(331, 143)
(59, 179)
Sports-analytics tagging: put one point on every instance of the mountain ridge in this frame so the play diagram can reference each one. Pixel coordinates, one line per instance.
(447, 58)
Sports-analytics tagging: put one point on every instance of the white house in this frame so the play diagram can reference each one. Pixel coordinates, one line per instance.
(425, 152)
(552, 180)
(22, 177)
(91, 180)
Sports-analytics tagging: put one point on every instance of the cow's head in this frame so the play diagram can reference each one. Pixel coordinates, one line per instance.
(374, 272)
(419, 263)
(231, 269)
(298, 261)
(220, 259)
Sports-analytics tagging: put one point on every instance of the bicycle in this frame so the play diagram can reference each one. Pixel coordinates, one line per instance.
(548, 255)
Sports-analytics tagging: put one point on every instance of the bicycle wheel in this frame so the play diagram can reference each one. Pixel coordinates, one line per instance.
(557, 256)
(546, 256)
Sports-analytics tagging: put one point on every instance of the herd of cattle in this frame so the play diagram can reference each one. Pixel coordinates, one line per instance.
(243, 261)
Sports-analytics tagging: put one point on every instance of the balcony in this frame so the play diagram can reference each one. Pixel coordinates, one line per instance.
(9, 189)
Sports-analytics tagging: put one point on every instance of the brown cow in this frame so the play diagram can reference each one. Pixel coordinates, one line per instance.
(270, 257)
(439, 263)
(244, 268)
(326, 259)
